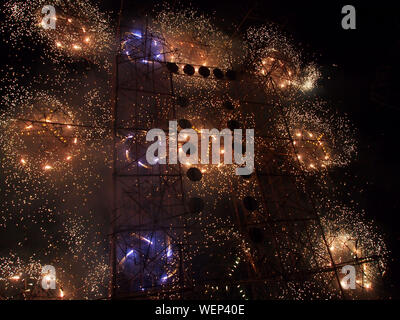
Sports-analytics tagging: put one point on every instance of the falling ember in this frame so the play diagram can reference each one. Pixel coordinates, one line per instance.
(47, 167)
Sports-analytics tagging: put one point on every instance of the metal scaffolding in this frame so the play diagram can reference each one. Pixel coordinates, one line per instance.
(157, 251)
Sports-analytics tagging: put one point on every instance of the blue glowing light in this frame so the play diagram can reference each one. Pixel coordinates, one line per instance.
(169, 252)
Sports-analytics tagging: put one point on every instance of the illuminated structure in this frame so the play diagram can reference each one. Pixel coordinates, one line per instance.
(180, 231)
(199, 231)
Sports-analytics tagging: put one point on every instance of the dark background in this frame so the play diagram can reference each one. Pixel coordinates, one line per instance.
(360, 71)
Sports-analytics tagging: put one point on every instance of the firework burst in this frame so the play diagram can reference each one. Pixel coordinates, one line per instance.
(81, 30)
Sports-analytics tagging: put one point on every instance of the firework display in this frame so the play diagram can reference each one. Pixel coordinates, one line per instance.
(276, 62)
(343, 228)
(321, 137)
(81, 30)
(73, 150)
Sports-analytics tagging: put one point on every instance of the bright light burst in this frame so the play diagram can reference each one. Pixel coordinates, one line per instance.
(82, 31)
(191, 37)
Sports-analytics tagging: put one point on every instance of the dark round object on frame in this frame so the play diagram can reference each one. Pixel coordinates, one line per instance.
(184, 124)
(228, 105)
(196, 205)
(233, 124)
(189, 70)
(218, 73)
(194, 174)
(250, 203)
(172, 67)
(204, 71)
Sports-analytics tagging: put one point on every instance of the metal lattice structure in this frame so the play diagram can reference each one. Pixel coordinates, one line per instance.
(157, 246)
